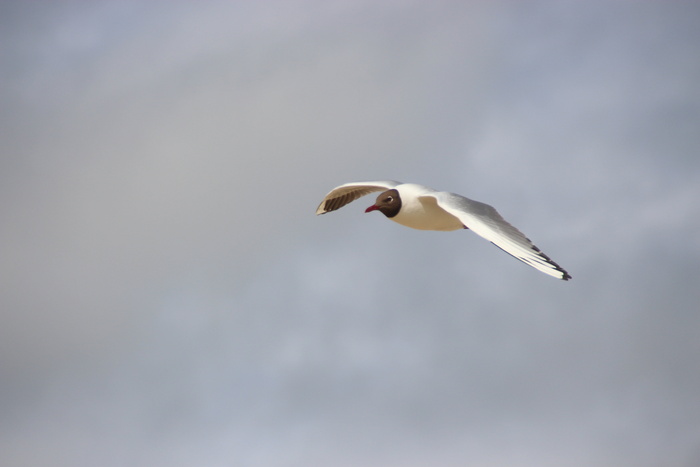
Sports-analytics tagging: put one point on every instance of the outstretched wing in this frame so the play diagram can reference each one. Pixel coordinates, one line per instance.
(485, 221)
(344, 194)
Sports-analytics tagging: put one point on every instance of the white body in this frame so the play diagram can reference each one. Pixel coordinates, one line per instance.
(422, 212)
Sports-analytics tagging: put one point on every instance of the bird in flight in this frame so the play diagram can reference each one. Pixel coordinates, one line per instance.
(423, 208)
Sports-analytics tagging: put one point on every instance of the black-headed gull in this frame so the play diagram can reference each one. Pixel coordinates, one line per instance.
(420, 207)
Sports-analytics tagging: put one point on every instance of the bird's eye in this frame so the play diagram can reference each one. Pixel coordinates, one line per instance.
(389, 199)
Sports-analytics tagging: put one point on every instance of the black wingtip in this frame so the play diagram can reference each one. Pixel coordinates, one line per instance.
(565, 276)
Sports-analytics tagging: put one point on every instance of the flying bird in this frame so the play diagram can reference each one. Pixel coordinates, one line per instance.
(423, 208)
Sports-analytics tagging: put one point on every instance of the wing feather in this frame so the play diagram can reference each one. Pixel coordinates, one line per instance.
(486, 222)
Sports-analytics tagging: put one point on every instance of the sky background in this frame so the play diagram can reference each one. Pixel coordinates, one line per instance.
(168, 298)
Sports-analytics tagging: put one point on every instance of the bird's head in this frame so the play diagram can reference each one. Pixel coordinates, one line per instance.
(388, 202)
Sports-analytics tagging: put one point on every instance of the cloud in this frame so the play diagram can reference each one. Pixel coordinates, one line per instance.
(170, 298)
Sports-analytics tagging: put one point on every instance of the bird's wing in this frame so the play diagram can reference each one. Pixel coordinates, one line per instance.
(344, 194)
(486, 222)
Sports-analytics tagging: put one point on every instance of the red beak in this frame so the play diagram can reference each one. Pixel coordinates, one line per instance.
(371, 208)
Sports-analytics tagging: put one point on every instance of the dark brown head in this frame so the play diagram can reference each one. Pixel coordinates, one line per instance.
(389, 203)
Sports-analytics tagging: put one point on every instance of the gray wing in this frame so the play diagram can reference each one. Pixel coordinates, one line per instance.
(486, 222)
(344, 194)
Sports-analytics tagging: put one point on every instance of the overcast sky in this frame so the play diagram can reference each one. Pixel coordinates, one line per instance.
(168, 298)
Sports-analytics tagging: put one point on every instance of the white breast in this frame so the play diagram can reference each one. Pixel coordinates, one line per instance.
(423, 213)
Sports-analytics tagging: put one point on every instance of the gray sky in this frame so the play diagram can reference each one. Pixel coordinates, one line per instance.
(169, 298)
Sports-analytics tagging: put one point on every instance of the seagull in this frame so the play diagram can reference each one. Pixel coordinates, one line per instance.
(423, 208)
